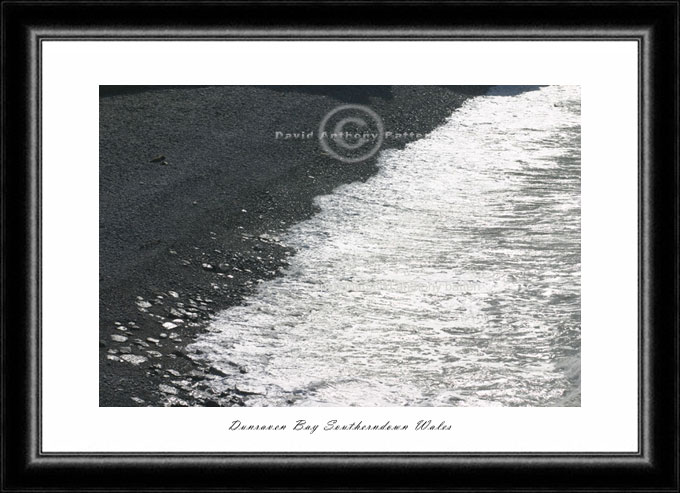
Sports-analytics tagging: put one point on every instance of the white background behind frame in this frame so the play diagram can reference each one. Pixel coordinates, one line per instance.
(607, 72)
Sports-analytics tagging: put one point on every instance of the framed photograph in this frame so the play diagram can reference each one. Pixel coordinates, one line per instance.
(340, 245)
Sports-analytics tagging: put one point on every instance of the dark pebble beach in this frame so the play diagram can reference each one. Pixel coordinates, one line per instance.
(194, 192)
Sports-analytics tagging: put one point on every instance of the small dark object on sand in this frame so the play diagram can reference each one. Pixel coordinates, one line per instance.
(214, 371)
(159, 159)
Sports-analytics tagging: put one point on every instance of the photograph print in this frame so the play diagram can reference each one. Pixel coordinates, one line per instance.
(366, 246)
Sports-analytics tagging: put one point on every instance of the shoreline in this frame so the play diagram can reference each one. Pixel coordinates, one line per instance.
(181, 241)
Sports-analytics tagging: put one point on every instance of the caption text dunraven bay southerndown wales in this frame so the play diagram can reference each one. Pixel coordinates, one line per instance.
(335, 425)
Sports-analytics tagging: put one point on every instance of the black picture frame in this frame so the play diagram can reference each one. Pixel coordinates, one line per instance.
(26, 24)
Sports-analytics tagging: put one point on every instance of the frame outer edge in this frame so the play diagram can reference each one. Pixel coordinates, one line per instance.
(37, 466)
